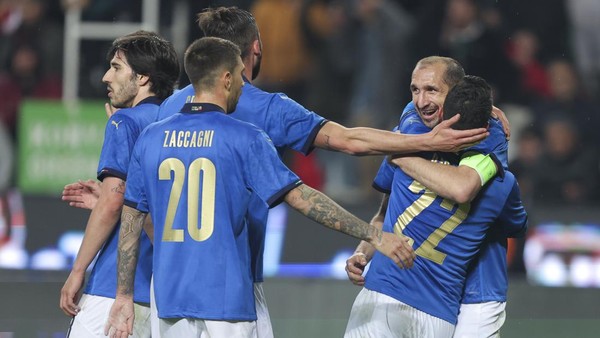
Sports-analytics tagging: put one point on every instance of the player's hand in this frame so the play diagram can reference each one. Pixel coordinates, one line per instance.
(355, 266)
(70, 294)
(497, 113)
(120, 318)
(110, 110)
(446, 139)
(82, 194)
(397, 248)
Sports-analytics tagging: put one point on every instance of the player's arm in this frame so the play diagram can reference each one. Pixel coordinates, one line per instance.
(514, 218)
(320, 208)
(101, 223)
(355, 265)
(121, 315)
(369, 141)
(460, 184)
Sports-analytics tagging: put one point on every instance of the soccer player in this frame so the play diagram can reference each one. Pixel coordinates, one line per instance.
(197, 173)
(143, 71)
(482, 310)
(424, 301)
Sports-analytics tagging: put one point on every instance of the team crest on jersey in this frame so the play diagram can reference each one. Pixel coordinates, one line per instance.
(116, 124)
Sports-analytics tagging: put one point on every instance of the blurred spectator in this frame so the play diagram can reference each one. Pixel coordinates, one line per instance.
(568, 172)
(24, 78)
(323, 24)
(382, 65)
(532, 80)
(547, 19)
(584, 28)
(466, 38)
(286, 61)
(526, 164)
(568, 98)
(28, 25)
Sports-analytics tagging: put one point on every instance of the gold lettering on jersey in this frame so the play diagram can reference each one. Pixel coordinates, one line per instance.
(188, 139)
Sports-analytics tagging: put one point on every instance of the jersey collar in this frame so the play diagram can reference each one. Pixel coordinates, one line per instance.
(193, 108)
(151, 100)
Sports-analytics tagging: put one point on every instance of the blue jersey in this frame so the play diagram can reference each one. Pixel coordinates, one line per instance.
(446, 236)
(122, 131)
(196, 173)
(487, 279)
(289, 126)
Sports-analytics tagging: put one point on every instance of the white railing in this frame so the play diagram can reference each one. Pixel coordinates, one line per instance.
(76, 30)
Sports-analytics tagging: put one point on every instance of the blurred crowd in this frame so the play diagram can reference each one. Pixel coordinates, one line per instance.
(351, 60)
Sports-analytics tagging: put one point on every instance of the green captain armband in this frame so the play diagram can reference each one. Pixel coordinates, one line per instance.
(483, 165)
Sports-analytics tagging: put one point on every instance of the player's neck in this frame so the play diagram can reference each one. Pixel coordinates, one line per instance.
(210, 97)
(143, 93)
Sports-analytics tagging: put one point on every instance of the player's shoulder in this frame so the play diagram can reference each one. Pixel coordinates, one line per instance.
(175, 102)
(410, 117)
(179, 95)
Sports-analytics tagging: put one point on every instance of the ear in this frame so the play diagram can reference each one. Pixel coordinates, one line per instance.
(256, 47)
(228, 77)
(142, 80)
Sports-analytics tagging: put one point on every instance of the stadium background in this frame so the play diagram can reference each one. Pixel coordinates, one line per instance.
(333, 56)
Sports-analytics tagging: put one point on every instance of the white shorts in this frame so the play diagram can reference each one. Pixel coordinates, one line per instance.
(377, 315)
(200, 328)
(263, 323)
(482, 320)
(90, 321)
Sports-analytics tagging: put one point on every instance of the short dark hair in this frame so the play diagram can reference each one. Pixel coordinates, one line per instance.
(230, 23)
(149, 54)
(206, 57)
(472, 99)
(454, 70)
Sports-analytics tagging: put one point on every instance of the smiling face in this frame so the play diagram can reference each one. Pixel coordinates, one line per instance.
(121, 82)
(429, 92)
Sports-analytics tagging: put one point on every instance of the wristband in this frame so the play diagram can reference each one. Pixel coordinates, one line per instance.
(482, 164)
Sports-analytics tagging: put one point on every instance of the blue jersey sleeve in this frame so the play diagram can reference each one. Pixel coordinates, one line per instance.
(119, 138)
(297, 127)
(135, 193)
(514, 217)
(411, 123)
(384, 178)
(267, 176)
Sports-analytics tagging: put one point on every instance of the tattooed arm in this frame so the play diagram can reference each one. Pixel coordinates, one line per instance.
(320, 208)
(121, 317)
(101, 223)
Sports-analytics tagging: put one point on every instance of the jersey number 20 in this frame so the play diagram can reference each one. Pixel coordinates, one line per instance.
(207, 221)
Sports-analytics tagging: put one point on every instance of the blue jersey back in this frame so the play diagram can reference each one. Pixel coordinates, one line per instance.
(288, 125)
(446, 237)
(196, 173)
(487, 279)
(121, 133)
